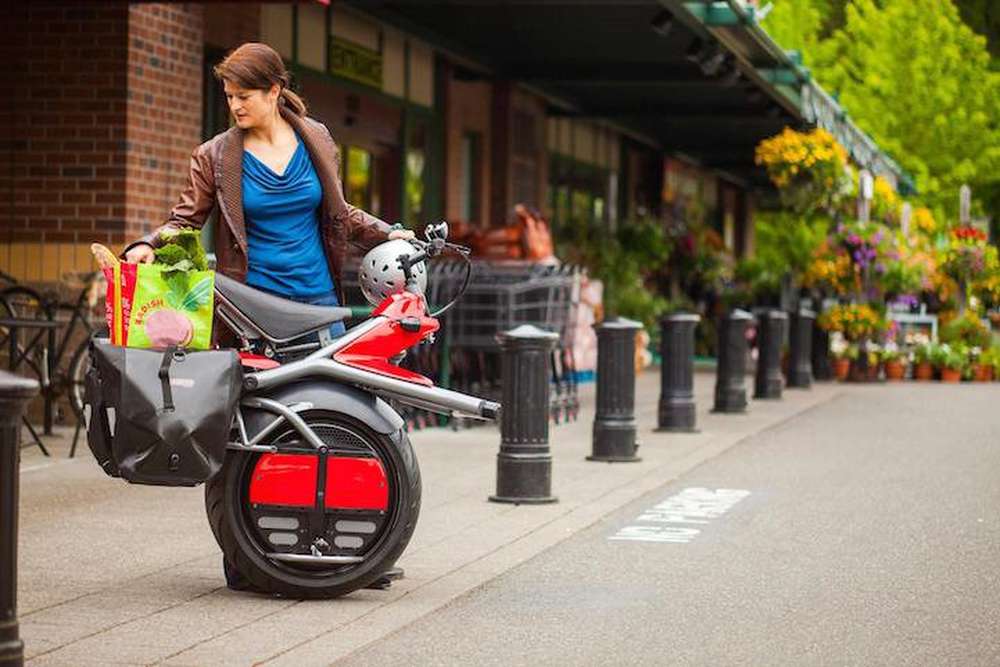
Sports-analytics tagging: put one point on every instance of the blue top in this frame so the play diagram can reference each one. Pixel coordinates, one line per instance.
(282, 219)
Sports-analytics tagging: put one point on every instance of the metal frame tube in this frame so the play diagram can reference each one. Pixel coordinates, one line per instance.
(313, 366)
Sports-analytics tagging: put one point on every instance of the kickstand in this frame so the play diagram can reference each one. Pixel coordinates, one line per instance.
(385, 581)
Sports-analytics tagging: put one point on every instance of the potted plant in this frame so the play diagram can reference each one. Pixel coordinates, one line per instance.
(923, 361)
(893, 361)
(992, 356)
(839, 348)
(981, 369)
(951, 361)
(856, 373)
(874, 352)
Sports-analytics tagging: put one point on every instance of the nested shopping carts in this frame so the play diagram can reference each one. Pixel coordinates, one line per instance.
(500, 296)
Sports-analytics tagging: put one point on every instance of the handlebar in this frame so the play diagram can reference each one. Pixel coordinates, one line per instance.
(435, 245)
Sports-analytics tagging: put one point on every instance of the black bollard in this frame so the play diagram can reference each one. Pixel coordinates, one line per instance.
(15, 392)
(800, 348)
(730, 375)
(821, 367)
(524, 464)
(676, 409)
(770, 334)
(614, 424)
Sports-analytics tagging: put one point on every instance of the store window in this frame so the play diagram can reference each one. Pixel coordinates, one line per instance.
(579, 194)
(471, 176)
(415, 171)
(359, 178)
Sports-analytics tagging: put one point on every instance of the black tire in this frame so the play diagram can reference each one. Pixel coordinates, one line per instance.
(24, 303)
(78, 366)
(243, 552)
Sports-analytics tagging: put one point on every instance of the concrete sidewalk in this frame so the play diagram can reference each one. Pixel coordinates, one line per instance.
(118, 574)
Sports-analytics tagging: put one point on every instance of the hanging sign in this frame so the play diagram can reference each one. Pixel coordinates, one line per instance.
(355, 62)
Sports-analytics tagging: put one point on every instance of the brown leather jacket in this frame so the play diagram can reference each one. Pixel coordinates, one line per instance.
(216, 179)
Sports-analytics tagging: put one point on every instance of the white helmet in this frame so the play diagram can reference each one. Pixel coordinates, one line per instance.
(380, 274)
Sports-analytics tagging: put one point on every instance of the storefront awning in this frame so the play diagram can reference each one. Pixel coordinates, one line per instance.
(659, 68)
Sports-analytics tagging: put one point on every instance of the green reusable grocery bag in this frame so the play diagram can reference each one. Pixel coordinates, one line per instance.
(171, 307)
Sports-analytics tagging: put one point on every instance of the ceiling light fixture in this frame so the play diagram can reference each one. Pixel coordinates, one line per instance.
(662, 23)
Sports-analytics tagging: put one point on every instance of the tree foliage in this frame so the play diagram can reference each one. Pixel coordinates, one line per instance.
(912, 75)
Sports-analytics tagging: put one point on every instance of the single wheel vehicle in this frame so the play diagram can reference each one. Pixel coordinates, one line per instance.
(319, 492)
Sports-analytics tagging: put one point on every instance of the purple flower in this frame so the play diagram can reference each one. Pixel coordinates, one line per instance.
(854, 239)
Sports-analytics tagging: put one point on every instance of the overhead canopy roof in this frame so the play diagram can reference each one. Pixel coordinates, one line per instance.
(652, 66)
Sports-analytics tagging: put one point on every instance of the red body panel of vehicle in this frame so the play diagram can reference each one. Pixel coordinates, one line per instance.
(356, 483)
(373, 350)
(285, 479)
(257, 361)
(289, 480)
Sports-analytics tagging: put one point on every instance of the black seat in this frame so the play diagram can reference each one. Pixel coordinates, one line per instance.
(279, 319)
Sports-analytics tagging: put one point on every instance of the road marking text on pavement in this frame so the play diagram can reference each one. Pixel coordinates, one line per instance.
(671, 520)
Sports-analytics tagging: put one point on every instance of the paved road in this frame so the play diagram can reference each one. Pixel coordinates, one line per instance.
(870, 536)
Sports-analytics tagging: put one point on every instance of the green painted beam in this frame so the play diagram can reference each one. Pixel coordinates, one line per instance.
(719, 14)
(780, 75)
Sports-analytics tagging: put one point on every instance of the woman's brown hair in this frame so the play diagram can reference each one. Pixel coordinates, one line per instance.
(257, 66)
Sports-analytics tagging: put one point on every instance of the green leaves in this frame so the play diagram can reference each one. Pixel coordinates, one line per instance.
(915, 77)
(182, 252)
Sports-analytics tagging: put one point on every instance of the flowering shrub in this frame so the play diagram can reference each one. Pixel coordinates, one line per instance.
(923, 220)
(838, 345)
(967, 256)
(891, 352)
(968, 330)
(809, 168)
(885, 201)
(855, 321)
(831, 269)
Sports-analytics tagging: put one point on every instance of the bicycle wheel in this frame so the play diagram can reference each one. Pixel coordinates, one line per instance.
(22, 303)
(78, 366)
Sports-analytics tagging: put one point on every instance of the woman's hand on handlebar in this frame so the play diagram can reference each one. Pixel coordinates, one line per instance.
(404, 234)
(140, 254)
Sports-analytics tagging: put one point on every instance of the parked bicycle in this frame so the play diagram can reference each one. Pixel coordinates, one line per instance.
(60, 368)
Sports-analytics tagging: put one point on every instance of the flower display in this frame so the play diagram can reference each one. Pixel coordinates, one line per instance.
(972, 263)
(885, 201)
(923, 220)
(855, 321)
(810, 169)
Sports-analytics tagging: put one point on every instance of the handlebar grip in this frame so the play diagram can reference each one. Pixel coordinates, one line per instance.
(489, 410)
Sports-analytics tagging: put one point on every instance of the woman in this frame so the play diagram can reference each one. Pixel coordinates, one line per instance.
(284, 224)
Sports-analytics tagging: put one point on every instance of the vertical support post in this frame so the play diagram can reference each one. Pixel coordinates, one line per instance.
(770, 333)
(821, 367)
(524, 464)
(15, 392)
(800, 348)
(614, 424)
(677, 409)
(730, 376)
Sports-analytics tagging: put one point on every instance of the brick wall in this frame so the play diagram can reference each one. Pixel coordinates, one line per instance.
(165, 57)
(62, 176)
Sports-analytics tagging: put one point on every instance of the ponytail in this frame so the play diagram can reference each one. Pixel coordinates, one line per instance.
(292, 100)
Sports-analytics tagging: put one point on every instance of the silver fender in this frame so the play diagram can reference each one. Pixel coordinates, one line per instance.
(319, 395)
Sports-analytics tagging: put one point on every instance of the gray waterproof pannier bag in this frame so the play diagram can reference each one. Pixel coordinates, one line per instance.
(160, 417)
